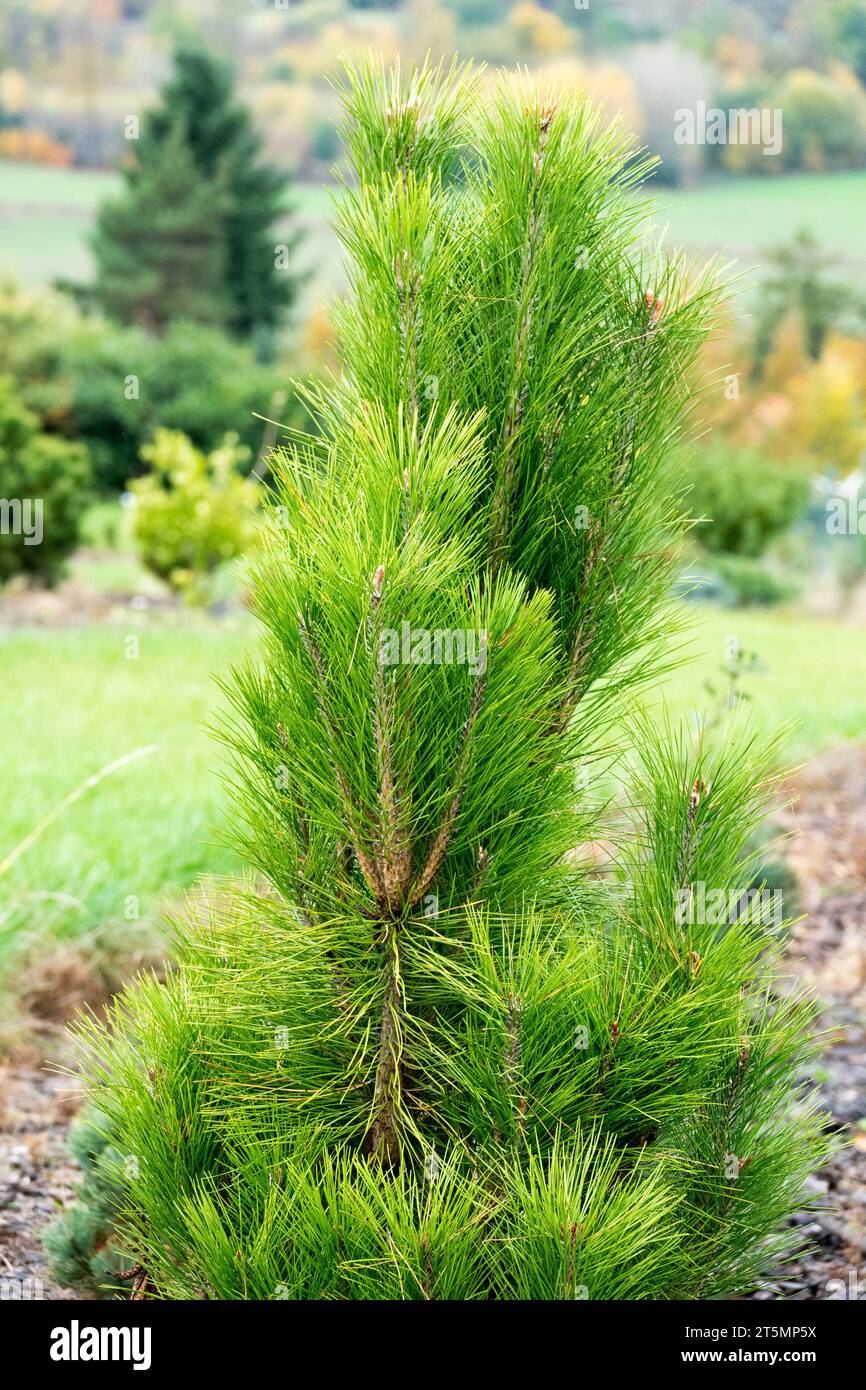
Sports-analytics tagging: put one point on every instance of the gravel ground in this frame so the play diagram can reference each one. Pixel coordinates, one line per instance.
(827, 952)
(37, 1175)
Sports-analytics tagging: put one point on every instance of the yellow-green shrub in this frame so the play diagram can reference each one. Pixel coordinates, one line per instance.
(194, 511)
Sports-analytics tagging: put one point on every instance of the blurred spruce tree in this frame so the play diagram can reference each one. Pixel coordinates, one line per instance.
(160, 248)
(194, 233)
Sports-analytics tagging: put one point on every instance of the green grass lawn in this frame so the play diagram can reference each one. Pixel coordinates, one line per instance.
(37, 184)
(45, 215)
(742, 217)
(813, 676)
(70, 702)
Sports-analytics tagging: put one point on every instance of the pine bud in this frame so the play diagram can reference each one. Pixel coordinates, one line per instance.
(655, 305)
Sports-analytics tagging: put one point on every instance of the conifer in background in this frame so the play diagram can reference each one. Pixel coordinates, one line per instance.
(160, 249)
(198, 188)
(429, 1052)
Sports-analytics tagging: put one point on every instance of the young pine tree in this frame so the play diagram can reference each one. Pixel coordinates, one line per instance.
(429, 1053)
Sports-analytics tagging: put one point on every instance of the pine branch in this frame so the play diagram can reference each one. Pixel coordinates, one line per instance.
(366, 862)
(408, 285)
(511, 1060)
(385, 1135)
(575, 686)
(503, 493)
(439, 847)
(394, 852)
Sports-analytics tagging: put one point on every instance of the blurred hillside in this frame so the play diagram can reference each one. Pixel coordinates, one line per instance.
(73, 71)
(76, 76)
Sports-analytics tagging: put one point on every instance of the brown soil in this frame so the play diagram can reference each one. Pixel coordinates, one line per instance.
(72, 604)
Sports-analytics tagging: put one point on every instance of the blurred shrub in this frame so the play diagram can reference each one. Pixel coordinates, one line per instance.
(746, 498)
(44, 489)
(112, 386)
(34, 326)
(103, 526)
(821, 414)
(79, 1242)
(825, 119)
(846, 21)
(795, 410)
(194, 379)
(194, 511)
(741, 582)
(539, 31)
(798, 281)
(824, 123)
(788, 357)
